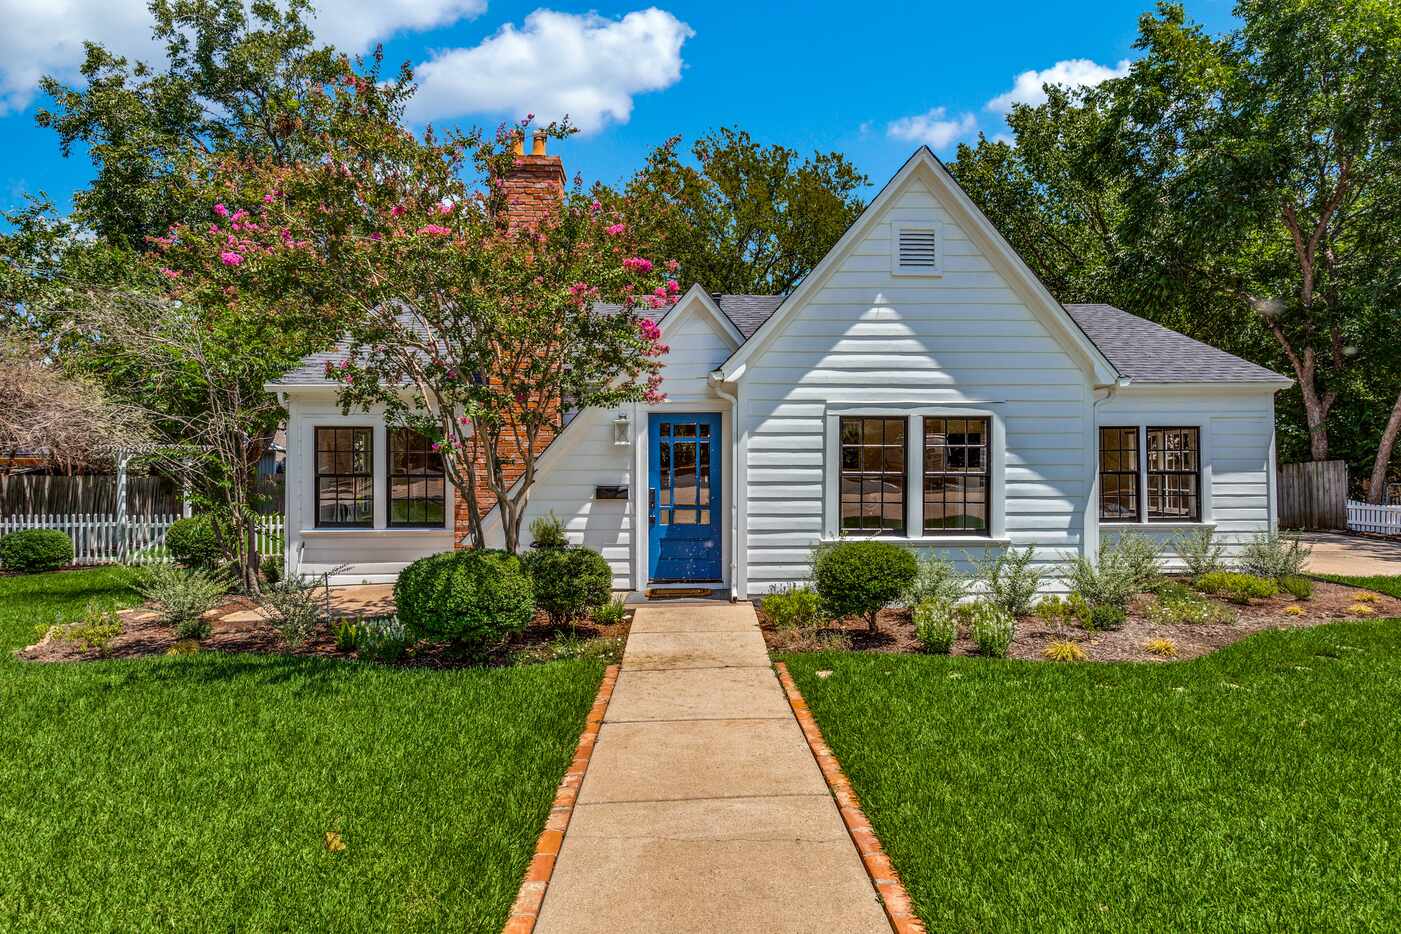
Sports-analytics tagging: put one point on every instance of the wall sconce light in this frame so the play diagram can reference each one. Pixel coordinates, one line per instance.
(621, 436)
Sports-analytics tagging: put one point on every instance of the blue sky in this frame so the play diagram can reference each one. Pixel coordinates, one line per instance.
(871, 80)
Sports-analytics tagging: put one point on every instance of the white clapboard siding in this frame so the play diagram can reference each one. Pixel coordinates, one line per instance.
(106, 538)
(1366, 517)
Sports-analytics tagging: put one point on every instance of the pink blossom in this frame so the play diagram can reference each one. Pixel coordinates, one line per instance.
(397, 211)
(170, 273)
(446, 207)
(268, 198)
(595, 207)
(214, 230)
(434, 446)
(230, 258)
(638, 264)
(615, 229)
(672, 265)
(221, 210)
(673, 286)
(376, 236)
(655, 302)
(437, 230)
(649, 329)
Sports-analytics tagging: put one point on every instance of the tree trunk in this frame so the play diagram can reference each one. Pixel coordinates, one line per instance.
(1376, 490)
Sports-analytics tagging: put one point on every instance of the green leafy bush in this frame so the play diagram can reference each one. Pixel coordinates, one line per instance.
(1105, 616)
(793, 607)
(381, 639)
(1200, 551)
(296, 606)
(93, 631)
(1106, 583)
(936, 579)
(991, 627)
(1274, 556)
(1237, 587)
(1140, 556)
(193, 543)
(548, 532)
(182, 596)
(471, 597)
(1298, 587)
(1010, 581)
(1185, 608)
(568, 581)
(860, 578)
(611, 613)
(32, 550)
(1054, 609)
(346, 632)
(936, 625)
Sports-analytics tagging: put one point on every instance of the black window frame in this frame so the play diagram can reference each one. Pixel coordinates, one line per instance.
(390, 475)
(1195, 472)
(950, 471)
(1135, 473)
(318, 477)
(861, 474)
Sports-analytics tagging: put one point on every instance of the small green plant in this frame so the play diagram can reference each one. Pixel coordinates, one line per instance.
(1293, 609)
(1237, 587)
(936, 625)
(1200, 551)
(184, 647)
(91, 632)
(1361, 609)
(936, 579)
(1055, 610)
(346, 631)
(1298, 587)
(569, 646)
(194, 543)
(611, 613)
(1185, 608)
(1106, 616)
(1140, 556)
(860, 578)
(548, 532)
(1063, 651)
(381, 639)
(1163, 648)
(1009, 580)
(296, 606)
(1274, 556)
(797, 606)
(568, 580)
(992, 628)
(182, 596)
(30, 551)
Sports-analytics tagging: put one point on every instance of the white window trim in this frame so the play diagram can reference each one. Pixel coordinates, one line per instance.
(896, 229)
(914, 471)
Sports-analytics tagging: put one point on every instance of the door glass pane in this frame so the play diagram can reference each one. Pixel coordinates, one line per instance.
(664, 474)
(684, 487)
(686, 430)
(704, 473)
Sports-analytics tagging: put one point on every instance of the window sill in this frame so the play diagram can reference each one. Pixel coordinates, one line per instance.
(1148, 526)
(398, 530)
(939, 540)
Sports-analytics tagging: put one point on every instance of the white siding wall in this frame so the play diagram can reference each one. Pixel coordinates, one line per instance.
(1237, 436)
(869, 337)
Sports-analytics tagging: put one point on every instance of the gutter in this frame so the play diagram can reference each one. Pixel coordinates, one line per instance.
(730, 391)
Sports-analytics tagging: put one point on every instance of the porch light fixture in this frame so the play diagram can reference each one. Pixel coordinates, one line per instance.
(621, 436)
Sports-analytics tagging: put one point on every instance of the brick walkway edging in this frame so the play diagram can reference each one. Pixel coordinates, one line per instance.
(526, 909)
(894, 899)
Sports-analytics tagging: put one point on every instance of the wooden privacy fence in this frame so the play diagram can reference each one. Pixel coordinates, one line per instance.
(1313, 495)
(1365, 517)
(108, 538)
(42, 494)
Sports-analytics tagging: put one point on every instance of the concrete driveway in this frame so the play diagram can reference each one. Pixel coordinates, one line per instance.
(1352, 554)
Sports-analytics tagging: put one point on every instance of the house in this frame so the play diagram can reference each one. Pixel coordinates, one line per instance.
(920, 384)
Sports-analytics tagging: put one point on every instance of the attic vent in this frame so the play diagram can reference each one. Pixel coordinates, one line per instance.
(916, 251)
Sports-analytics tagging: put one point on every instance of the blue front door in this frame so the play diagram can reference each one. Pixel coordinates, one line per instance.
(683, 497)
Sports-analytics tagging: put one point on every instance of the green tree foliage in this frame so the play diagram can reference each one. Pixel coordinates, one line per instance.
(740, 217)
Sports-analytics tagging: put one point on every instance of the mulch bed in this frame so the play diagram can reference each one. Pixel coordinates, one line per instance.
(142, 637)
(896, 632)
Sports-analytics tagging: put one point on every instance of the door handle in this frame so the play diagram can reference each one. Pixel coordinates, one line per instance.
(652, 505)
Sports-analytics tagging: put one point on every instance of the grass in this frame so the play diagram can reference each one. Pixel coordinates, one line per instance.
(1387, 584)
(60, 596)
(1255, 789)
(196, 792)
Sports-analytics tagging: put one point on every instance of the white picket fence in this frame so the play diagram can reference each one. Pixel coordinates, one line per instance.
(1364, 517)
(105, 538)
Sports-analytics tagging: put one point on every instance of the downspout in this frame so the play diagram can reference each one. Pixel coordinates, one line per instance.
(1092, 506)
(731, 392)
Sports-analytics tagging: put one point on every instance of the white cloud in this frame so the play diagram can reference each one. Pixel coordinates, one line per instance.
(1029, 86)
(46, 37)
(554, 64)
(935, 128)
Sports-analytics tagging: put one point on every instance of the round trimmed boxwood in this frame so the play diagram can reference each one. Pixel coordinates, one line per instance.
(31, 550)
(192, 544)
(473, 598)
(861, 578)
(568, 582)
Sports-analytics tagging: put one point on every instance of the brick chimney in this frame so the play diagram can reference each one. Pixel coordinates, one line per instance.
(534, 188)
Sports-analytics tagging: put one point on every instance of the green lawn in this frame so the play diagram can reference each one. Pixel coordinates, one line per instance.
(196, 793)
(1256, 789)
(1387, 584)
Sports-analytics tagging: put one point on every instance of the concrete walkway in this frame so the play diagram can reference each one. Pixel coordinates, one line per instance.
(1352, 554)
(703, 809)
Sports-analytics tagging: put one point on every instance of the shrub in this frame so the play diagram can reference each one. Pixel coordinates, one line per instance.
(1200, 552)
(936, 579)
(611, 613)
(935, 625)
(93, 631)
(1300, 588)
(1055, 610)
(1110, 582)
(793, 607)
(182, 596)
(381, 639)
(1064, 651)
(32, 550)
(471, 597)
(568, 581)
(1140, 556)
(1106, 616)
(1274, 556)
(295, 607)
(1236, 587)
(1009, 580)
(193, 543)
(548, 532)
(1164, 648)
(860, 578)
(271, 566)
(992, 628)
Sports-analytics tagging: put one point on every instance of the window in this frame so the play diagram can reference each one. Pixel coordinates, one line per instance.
(872, 476)
(417, 487)
(1174, 474)
(1118, 474)
(956, 476)
(345, 480)
(915, 251)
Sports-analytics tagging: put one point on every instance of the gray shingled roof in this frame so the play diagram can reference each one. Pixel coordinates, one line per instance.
(1137, 348)
(1150, 353)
